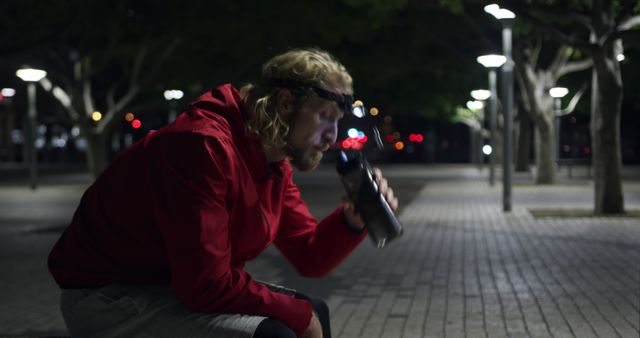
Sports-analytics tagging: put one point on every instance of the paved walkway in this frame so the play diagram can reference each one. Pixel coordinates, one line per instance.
(463, 269)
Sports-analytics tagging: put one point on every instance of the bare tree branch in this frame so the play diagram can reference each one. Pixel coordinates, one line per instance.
(558, 34)
(629, 23)
(533, 52)
(574, 101)
(63, 98)
(523, 10)
(109, 115)
(111, 102)
(575, 66)
(134, 87)
(560, 59)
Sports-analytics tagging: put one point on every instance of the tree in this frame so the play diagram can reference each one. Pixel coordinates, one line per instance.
(104, 57)
(604, 25)
(535, 82)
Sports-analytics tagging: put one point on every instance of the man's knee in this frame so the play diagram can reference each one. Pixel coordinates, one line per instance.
(271, 328)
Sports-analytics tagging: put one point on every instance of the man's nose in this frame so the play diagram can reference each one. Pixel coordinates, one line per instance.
(331, 133)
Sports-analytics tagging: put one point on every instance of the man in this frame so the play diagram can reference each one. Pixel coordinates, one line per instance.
(158, 243)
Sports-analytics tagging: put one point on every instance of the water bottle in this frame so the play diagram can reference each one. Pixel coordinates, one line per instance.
(358, 180)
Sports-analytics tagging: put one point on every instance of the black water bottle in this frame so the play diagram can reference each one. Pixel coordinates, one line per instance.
(358, 180)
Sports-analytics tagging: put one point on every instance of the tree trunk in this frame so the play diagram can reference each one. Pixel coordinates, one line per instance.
(545, 154)
(524, 141)
(606, 102)
(97, 153)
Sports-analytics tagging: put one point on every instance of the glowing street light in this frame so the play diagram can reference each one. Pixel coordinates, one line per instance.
(492, 60)
(31, 76)
(96, 116)
(499, 13)
(358, 109)
(480, 94)
(172, 96)
(558, 92)
(475, 105)
(486, 149)
(8, 92)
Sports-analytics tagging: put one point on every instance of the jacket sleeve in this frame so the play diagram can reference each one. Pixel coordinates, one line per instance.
(314, 249)
(191, 176)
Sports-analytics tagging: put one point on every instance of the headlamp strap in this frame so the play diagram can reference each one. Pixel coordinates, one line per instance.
(344, 101)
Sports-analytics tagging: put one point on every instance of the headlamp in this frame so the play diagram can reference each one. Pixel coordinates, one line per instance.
(344, 101)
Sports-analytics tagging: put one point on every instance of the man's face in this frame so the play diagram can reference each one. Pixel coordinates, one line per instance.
(312, 132)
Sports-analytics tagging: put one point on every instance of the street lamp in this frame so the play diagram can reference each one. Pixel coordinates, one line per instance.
(558, 93)
(475, 131)
(480, 95)
(492, 62)
(172, 96)
(506, 17)
(6, 96)
(31, 76)
(8, 92)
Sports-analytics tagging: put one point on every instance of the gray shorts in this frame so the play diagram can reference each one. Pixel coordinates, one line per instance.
(147, 311)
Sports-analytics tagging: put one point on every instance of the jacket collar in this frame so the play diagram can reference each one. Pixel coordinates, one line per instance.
(225, 101)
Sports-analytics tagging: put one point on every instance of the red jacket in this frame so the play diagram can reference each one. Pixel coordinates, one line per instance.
(187, 206)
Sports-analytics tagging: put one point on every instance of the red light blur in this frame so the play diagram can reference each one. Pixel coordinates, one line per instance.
(416, 138)
(136, 124)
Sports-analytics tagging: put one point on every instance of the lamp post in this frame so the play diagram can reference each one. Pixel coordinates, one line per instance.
(558, 93)
(506, 17)
(6, 95)
(492, 62)
(31, 76)
(477, 107)
(172, 96)
(481, 95)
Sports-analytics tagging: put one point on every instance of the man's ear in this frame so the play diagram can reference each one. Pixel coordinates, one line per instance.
(284, 101)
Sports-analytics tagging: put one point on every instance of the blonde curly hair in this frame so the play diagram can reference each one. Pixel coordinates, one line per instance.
(310, 66)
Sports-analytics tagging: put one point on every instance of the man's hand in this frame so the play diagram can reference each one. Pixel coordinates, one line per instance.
(315, 329)
(350, 213)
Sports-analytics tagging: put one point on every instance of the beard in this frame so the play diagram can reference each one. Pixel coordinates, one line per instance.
(304, 159)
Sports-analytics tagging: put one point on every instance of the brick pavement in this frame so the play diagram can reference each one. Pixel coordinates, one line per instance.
(466, 269)
(463, 268)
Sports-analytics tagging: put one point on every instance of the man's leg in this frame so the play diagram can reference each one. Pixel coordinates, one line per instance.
(321, 308)
(271, 328)
(145, 311)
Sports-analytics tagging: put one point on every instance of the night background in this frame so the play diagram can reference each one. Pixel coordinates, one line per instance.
(413, 60)
(556, 265)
